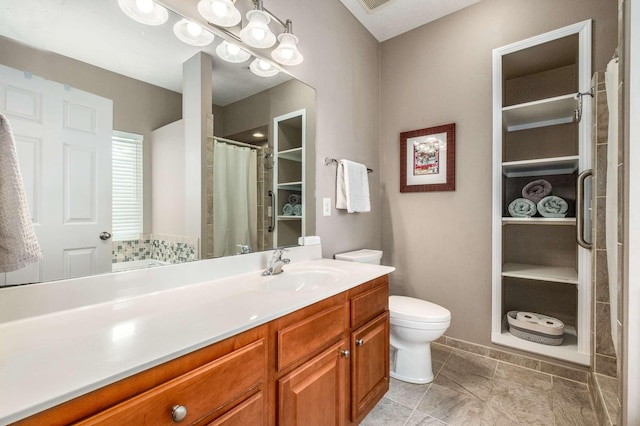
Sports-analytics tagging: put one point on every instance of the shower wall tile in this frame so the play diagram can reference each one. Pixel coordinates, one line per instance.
(601, 276)
(603, 341)
(606, 365)
(600, 168)
(600, 239)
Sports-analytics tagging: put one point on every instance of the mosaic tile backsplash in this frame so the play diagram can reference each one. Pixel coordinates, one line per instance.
(161, 247)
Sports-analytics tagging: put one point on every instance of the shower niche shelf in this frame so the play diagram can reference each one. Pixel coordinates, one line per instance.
(537, 264)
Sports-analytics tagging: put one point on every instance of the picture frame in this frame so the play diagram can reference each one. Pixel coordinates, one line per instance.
(428, 159)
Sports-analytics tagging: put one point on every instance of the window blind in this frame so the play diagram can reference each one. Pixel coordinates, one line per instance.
(126, 186)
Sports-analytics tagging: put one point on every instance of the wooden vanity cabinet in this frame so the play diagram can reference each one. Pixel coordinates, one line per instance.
(211, 382)
(332, 358)
(325, 364)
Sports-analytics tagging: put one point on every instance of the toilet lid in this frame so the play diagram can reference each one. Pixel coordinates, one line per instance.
(412, 309)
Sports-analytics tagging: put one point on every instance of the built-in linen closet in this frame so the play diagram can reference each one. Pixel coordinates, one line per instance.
(542, 158)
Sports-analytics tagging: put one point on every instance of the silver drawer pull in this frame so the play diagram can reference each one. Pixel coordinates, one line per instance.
(345, 353)
(359, 342)
(178, 413)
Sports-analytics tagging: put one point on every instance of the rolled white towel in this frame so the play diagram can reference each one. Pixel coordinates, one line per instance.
(297, 209)
(295, 199)
(536, 190)
(552, 206)
(287, 209)
(521, 207)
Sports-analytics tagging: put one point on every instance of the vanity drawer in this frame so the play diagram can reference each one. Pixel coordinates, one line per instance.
(304, 337)
(201, 391)
(369, 304)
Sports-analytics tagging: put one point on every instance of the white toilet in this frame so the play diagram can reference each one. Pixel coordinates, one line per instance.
(415, 323)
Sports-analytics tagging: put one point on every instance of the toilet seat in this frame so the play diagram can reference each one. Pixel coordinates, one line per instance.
(412, 309)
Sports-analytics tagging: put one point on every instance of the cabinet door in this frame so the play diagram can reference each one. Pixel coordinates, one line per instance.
(314, 394)
(369, 365)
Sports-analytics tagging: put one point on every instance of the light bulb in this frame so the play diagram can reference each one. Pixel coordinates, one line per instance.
(258, 34)
(286, 53)
(264, 65)
(194, 29)
(233, 49)
(144, 6)
(218, 8)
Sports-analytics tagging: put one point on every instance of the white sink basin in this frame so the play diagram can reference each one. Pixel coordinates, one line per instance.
(297, 279)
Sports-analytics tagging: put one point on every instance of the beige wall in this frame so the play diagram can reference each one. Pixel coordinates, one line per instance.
(341, 61)
(440, 73)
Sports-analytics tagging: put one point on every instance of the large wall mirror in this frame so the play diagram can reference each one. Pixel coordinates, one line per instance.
(95, 101)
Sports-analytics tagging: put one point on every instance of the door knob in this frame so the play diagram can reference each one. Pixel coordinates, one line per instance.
(359, 342)
(104, 236)
(345, 353)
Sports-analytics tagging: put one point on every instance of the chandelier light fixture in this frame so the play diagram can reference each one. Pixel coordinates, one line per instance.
(224, 16)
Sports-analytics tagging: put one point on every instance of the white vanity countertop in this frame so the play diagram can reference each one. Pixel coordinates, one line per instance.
(51, 358)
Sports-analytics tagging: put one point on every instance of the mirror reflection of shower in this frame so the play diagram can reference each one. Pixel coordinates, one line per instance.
(241, 174)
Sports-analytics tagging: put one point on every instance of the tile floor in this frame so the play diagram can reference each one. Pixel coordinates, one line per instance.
(471, 389)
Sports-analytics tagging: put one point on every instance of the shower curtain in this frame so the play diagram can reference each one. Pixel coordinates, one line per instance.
(611, 224)
(235, 213)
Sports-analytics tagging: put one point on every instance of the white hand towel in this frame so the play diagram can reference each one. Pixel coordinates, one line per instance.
(18, 242)
(352, 187)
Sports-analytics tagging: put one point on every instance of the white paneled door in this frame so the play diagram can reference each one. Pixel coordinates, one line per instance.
(63, 139)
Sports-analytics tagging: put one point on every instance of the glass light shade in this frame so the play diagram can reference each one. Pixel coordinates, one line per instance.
(287, 52)
(219, 12)
(144, 11)
(263, 68)
(232, 53)
(257, 33)
(192, 33)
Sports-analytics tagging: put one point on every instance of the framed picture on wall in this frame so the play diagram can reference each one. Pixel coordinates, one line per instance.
(428, 159)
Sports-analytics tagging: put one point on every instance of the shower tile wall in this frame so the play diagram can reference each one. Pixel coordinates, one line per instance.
(604, 383)
(265, 173)
(207, 248)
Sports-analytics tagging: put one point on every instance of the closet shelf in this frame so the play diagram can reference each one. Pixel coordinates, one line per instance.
(291, 186)
(289, 217)
(294, 154)
(568, 351)
(571, 221)
(540, 273)
(541, 167)
(542, 113)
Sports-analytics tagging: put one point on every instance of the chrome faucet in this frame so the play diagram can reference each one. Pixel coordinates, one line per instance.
(244, 248)
(276, 263)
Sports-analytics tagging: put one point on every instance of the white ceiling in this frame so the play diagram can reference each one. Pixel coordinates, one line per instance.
(399, 16)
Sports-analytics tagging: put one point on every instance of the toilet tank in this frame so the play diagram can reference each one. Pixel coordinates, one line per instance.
(362, 256)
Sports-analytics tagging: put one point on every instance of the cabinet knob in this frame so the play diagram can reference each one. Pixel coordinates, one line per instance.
(345, 353)
(359, 342)
(178, 413)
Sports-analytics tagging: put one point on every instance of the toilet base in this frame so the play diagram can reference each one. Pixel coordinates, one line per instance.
(411, 364)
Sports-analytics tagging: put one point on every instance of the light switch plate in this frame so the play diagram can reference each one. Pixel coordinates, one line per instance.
(326, 206)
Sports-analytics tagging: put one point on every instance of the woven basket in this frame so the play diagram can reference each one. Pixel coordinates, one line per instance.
(538, 332)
